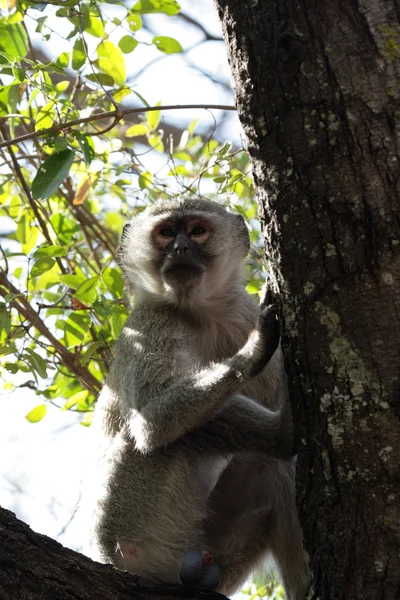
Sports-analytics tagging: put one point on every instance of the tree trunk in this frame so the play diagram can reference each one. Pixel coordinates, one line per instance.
(35, 567)
(317, 86)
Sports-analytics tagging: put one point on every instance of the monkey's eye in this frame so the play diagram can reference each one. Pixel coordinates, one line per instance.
(198, 230)
(166, 232)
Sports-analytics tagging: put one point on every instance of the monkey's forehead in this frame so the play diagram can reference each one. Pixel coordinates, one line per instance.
(183, 208)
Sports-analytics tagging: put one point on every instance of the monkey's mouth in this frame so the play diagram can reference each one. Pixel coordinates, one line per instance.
(182, 272)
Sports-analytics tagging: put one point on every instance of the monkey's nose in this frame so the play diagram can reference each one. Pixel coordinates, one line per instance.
(181, 245)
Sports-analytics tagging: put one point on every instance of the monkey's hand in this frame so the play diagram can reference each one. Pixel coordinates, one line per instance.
(264, 340)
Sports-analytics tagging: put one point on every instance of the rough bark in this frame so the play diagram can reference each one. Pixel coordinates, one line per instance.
(317, 85)
(35, 567)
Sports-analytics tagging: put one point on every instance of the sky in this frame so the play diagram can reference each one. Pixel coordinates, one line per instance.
(41, 464)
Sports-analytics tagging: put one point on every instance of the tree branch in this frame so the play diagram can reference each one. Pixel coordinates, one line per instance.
(34, 566)
(117, 115)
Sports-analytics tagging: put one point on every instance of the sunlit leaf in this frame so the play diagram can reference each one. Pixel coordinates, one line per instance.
(134, 21)
(49, 251)
(168, 7)
(93, 22)
(31, 241)
(75, 399)
(120, 94)
(63, 60)
(118, 319)
(111, 61)
(75, 329)
(37, 413)
(87, 291)
(73, 281)
(42, 265)
(153, 118)
(63, 227)
(13, 39)
(145, 179)
(127, 44)
(166, 44)
(51, 174)
(79, 54)
(46, 116)
(136, 130)
(113, 281)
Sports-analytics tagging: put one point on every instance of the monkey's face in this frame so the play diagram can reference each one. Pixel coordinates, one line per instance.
(189, 249)
(183, 250)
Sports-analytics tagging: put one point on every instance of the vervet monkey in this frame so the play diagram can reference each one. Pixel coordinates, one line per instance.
(194, 476)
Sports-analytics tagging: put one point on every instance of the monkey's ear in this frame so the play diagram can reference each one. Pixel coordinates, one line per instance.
(124, 234)
(125, 229)
(242, 233)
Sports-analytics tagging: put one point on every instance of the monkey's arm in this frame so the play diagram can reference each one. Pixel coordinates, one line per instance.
(159, 409)
(243, 425)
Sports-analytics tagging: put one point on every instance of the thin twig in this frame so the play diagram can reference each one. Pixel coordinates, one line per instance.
(114, 114)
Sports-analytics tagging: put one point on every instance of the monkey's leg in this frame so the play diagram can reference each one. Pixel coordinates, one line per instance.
(253, 513)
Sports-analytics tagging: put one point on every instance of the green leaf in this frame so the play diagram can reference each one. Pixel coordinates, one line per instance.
(37, 414)
(113, 281)
(145, 179)
(87, 146)
(62, 86)
(127, 44)
(50, 251)
(23, 229)
(5, 322)
(165, 44)
(75, 329)
(153, 118)
(111, 61)
(13, 39)
(136, 130)
(72, 281)
(36, 362)
(63, 60)
(134, 21)
(31, 241)
(168, 7)
(120, 94)
(63, 227)
(89, 352)
(51, 174)
(75, 399)
(253, 287)
(87, 291)
(42, 265)
(79, 54)
(118, 319)
(60, 144)
(101, 79)
(93, 22)
(46, 116)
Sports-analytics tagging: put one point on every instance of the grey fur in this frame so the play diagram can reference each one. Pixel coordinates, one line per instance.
(191, 449)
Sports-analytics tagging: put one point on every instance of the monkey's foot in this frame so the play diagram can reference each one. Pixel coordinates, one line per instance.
(200, 569)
